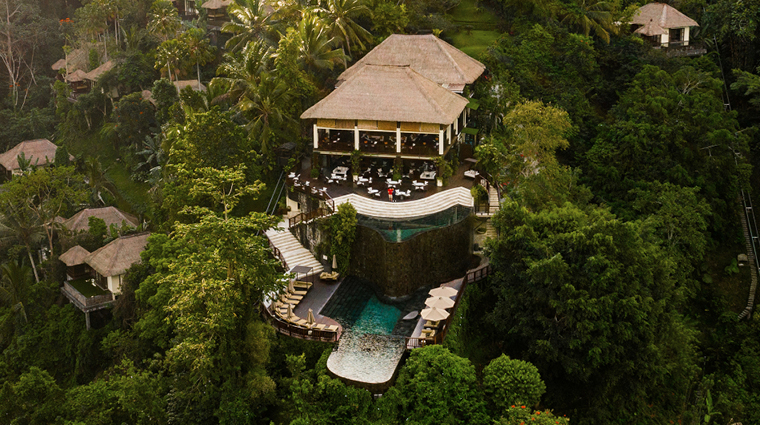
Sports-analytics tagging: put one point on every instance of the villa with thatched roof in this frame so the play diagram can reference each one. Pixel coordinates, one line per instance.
(663, 25)
(428, 55)
(76, 268)
(80, 222)
(39, 152)
(388, 111)
(112, 261)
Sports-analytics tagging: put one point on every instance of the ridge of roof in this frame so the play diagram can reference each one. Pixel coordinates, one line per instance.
(113, 258)
(667, 16)
(109, 214)
(39, 149)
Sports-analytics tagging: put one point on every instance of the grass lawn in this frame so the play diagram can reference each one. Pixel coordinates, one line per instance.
(86, 288)
(484, 27)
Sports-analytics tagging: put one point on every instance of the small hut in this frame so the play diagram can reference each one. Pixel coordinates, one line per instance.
(663, 25)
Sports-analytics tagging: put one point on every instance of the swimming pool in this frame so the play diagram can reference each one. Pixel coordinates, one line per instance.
(401, 230)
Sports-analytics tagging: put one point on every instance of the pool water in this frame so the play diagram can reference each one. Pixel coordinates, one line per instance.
(376, 318)
(401, 230)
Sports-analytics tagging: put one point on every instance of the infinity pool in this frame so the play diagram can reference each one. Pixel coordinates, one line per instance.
(399, 231)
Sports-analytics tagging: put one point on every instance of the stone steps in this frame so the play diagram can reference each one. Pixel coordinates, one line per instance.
(408, 209)
(292, 250)
(493, 200)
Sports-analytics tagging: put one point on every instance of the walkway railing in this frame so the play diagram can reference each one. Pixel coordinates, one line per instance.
(295, 331)
(277, 253)
(471, 276)
(311, 215)
(86, 303)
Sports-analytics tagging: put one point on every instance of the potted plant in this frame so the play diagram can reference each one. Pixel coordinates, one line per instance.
(444, 170)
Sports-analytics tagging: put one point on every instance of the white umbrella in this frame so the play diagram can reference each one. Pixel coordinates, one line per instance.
(335, 263)
(439, 302)
(434, 314)
(310, 318)
(444, 291)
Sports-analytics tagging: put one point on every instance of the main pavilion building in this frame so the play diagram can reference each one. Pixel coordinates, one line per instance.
(402, 100)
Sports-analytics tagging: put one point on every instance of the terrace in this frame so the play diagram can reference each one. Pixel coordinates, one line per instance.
(87, 296)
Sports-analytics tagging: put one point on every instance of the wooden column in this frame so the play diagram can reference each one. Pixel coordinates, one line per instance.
(440, 141)
(448, 131)
(398, 139)
(356, 137)
(316, 137)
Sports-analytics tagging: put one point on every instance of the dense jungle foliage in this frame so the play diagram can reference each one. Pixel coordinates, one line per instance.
(616, 291)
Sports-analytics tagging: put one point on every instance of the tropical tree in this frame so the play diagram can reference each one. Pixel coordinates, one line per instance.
(316, 52)
(163, 20)
(20, 225)
(250, 20)
(198, 48)
(339, 17)
(170, 55)
(20, 33)
(590, 15)
(14, 293)
(509, 382)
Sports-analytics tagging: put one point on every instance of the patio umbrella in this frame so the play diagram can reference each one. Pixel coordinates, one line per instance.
(291, 288)
(335, 263)
(443, 291)
(290, 314)
(439, 302)
(434, 314)
(310, 318)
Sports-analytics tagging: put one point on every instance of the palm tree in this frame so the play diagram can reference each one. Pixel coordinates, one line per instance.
(164, 21)
(154, 158)
(14, 286)
(169, 55)
(198, 48)
(316, 52)
(338, 16)
(95, 177)
(590, 15)
(22, 226)
(251, 20)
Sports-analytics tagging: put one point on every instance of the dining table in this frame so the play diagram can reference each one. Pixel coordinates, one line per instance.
(427, 175)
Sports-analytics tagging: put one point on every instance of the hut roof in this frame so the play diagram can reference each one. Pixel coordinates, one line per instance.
(389, 93)
(76, 76)
(181, 84)
(663, 15)
(432, 57)
(651, 28)
(39, 151)
(74, 256)
(97, 72)
(77, 59)
(216, 4)
(119, 255)
(110, 215)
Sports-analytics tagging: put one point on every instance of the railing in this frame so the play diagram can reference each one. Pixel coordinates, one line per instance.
(85, 303)
(685, 50)
(336, 146)
(471, 276)
(290, 329)
(311, 215)
(277, 253)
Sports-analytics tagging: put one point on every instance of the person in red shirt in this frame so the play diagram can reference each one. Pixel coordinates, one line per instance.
(390, 194)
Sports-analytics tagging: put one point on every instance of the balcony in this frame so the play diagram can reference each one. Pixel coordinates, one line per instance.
(86, 296)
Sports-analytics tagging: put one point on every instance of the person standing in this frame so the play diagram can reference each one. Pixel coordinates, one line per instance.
(390, 194)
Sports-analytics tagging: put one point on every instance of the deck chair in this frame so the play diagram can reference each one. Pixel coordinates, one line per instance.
(332, 328)
(299, 284)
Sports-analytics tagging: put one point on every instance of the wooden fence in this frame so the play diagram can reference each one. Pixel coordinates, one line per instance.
(86, 303)
(295, 331)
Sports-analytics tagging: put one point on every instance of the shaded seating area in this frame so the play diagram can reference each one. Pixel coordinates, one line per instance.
(282, 311)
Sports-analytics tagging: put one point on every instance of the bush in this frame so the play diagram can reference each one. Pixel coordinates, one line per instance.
(509, 382)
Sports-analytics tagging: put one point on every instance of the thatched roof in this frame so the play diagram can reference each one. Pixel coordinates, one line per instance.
(651, 28)
(74, 256)
(181, 84)
(663, 15)
(77, 59)
(216, 4)
(76, 76)
(119, 255)
(38, 151)
(79, 222)
(148, 95)
(389, 93)
(97, 72)
(432, 57)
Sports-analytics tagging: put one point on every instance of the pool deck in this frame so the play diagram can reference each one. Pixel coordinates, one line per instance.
(456, 284)
(316, 298)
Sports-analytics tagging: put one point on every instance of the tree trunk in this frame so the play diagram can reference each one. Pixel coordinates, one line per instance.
(198, 68)
(31, 259)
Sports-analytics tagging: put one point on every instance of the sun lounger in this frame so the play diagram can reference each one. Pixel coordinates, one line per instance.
(332, 328)
(428, 333)
(329, 276)
(294, 301)
(299, 284)
(429, 324)
(297, 292)
(320, 326)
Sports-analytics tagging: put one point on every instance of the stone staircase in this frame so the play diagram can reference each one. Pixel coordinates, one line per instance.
(493, 200)
(408, 209)
(491, 230)
(292, 252)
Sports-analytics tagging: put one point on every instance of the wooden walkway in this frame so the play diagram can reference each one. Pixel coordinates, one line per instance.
(382, 208)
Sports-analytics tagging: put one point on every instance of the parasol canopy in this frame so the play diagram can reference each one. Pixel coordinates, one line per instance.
(290, 314)
(310, 318)
(434, 314)
(439, 302)
(443, 291)
(335, 263)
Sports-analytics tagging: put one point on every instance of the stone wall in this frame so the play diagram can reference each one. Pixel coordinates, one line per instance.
(399, 268)
(311, 235)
